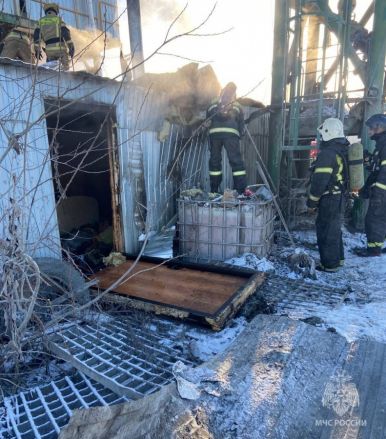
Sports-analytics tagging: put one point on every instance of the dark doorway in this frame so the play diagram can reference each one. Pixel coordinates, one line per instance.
(83, 157)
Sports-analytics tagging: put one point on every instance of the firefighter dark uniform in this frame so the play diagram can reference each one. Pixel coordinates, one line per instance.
(52, 30)
(227, 126)
(375, 187)
(329, 182)
(17, 45)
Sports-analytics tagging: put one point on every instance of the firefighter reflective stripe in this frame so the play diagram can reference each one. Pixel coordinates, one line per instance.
(332, 192)
(332, 270)
(374, 244)
(380, 185)
(323, 171)
(55, 47)
(212, 107)
(339, 174)
(224, 130)
(383, 163)
(239, 173)
(312, 198)
(215, 173)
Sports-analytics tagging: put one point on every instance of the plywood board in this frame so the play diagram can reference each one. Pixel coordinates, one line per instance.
(195, 292)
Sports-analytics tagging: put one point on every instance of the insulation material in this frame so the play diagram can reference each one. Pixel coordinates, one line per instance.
(189, 90)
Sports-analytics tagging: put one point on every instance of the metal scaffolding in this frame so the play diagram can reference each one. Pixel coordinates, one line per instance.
(330, 71)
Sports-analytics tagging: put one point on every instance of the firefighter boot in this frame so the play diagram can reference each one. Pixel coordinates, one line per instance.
(215, 181)
(368, 252)
(239, 183)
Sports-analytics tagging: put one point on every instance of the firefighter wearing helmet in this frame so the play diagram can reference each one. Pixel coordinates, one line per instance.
(53, 32)
(375, 188)
(329, 181)
(225, 120)
(17, 43)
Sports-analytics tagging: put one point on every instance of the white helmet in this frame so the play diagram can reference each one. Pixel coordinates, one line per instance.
(331, 128)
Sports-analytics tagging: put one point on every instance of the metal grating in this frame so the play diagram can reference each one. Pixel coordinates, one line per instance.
(43, 411)
(299, 298)
(126, 357)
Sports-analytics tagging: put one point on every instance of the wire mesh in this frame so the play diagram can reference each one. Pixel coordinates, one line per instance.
(216, 231)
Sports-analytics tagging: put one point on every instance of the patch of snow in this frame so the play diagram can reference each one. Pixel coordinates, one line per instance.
(205, 346)
(364, 315)
(358, 321)
(250, 260)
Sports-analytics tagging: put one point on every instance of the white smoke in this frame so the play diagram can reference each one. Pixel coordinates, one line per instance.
(93, 48)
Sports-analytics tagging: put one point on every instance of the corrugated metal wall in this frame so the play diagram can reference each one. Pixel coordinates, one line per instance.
(181, 163)
(151, 173)
(21, 104)
(259, 129)
(170, 167)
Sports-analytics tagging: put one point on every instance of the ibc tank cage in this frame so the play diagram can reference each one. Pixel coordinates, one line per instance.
(219, 230)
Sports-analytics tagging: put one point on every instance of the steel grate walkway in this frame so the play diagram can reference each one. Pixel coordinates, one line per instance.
(129, 359)
(43, 411)
(298, 298)
(129, 355)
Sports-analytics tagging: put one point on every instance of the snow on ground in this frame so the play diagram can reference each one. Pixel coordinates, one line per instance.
(364, 316)
(201, 342)
(205, 344)
(250, 260)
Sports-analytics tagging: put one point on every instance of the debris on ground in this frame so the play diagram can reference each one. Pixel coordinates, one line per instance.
(332, 304)
(114, 259)
(277, 379)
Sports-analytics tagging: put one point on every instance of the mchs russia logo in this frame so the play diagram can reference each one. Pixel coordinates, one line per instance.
(340, 394)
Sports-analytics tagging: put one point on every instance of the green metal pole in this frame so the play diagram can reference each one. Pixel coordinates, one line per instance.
(373, 92)
(278, 90)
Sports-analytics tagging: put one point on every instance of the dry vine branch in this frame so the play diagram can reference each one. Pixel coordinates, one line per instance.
(20, 277)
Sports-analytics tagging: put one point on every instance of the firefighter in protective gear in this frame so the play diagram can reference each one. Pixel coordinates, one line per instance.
(226, 126)
(52, 30)
(375, 188)
(329, 182)
(17, 45)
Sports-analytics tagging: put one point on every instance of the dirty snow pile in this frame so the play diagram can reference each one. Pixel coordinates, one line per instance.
(250, 260)
(363, 314)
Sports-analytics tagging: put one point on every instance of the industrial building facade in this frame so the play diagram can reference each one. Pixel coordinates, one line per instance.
(67, 135)
(34, 102)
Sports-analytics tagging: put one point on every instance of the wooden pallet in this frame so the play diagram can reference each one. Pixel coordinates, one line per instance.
(182, 292)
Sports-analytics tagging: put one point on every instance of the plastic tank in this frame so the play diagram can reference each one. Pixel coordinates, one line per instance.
(214, 231)
(256, 228)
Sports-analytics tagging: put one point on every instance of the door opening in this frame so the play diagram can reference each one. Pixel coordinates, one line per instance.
(85, 178)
